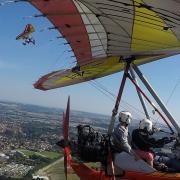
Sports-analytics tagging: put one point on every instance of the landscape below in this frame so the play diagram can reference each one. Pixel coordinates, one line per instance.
(28, 136)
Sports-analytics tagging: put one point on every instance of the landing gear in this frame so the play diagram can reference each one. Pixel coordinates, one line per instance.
(28, 40)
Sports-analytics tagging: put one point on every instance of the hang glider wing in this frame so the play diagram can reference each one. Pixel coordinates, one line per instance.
(101, 31)
(87, 72)
(27, 31)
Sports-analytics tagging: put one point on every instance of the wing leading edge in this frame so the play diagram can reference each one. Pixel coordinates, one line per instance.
(87, 72)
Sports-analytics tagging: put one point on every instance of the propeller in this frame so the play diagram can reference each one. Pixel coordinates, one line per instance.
(111, 165)
(64, 142)
(110, 169)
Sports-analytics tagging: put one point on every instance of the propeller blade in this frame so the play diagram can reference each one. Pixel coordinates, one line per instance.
(67, 160)
(111, 164)
(66, 123)
(66, 135)
(65, 165)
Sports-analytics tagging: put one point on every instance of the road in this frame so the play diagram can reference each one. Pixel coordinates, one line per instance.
(42, 172)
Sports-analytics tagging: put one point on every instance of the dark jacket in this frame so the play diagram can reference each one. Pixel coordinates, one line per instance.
(142, 141)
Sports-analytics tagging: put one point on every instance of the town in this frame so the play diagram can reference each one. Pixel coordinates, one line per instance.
(28, 136)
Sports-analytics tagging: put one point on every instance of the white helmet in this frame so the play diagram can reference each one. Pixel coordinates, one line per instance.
(146, 124)
(125, 116)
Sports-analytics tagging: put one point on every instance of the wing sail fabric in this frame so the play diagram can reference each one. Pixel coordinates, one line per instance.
(101, 30)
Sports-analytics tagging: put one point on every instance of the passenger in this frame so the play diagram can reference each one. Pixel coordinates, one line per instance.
(120, 133)
(142, 142)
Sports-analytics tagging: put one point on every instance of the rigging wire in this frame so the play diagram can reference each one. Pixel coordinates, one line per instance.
(127, 104)
(101, 90)
(104, 89)
(92, 83)
(173, 90)
(171, 94)
(135, 109)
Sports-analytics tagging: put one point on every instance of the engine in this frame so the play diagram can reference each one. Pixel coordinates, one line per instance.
(92, 145)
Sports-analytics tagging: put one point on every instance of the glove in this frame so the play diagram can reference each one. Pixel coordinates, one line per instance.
(155, 129)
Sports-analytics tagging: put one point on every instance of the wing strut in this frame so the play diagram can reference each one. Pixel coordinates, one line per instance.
(67, 157)
(157, 99)
(156, 109)
(115, 110)
(140, 93)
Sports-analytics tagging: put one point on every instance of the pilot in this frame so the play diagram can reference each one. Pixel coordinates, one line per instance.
(142, 142)
(120, 133)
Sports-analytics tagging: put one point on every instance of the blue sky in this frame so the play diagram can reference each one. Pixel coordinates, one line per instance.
(21, 66)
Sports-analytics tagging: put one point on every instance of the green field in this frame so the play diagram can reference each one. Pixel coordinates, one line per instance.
(51, 155)
(56, 172)
(48, 154)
